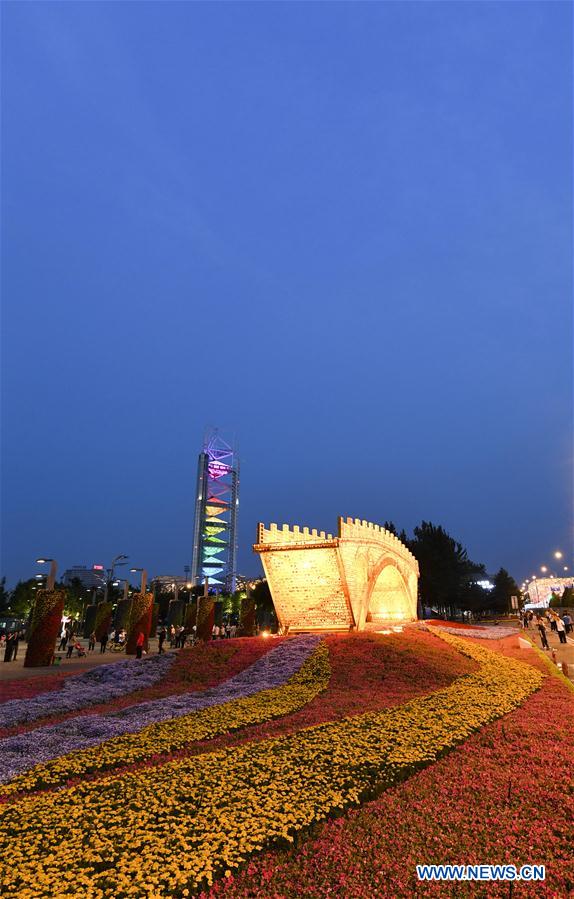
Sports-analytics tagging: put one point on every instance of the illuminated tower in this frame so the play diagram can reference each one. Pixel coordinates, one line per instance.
(216, 506)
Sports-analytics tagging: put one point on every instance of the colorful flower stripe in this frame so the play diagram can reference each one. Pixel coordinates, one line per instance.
(96, 685)
(21, 688)
(128, 830)
(368, 672)
(166, 724)
(483, 633)
(489, 800)
(198, 668)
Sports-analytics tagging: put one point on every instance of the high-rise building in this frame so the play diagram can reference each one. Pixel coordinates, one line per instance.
(93, 577)
(216, 508)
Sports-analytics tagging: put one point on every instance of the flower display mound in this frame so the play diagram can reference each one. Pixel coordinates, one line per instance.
(133, 826)
(368, 672)
(190, 670)
(53, 755)
(481, 804)
(103, 682)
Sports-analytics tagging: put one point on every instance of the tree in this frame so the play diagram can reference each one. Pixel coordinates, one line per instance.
(402, 535)
(568, 598)
(23, 597)
(76, 596)
(264, 608)
(504, 587)
(4, 596)
(445, 569)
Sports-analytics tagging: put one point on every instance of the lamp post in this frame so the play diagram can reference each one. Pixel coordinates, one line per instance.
(115, 562)
(143, 580)
(50, 582)
(126, 585)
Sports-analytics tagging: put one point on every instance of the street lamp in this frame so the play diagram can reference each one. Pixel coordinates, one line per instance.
(557, 554)
(126, 585)
(115, 562)
(144, 578)
(50, 582)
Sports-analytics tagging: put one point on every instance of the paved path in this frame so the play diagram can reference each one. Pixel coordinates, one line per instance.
(563, 652)
(15, 670)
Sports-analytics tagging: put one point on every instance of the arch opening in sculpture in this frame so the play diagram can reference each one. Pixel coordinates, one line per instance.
(389, 599)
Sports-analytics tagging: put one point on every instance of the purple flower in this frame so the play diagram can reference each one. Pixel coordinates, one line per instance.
(273, 670)
(95, 686)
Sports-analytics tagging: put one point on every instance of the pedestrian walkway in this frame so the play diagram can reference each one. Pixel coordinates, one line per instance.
(559, 652)
(15, 670)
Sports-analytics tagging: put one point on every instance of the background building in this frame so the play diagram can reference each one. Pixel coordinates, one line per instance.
(216, 508)
(93, 577)
(540, 589)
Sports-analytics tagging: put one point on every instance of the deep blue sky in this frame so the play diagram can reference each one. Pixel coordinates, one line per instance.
(342, 231)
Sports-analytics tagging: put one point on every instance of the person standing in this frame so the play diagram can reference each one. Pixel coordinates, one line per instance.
(140, 645)
(161, 640)
(543, 637)
(91, 642)
(103, 641)
(9, 648)
(567, 622)
(561, 629)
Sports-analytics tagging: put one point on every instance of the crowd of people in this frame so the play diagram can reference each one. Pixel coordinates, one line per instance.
(561, 625)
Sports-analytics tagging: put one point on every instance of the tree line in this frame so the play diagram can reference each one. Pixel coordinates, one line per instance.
(449, 578)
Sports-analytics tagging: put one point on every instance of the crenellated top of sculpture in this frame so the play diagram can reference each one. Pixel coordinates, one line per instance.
(290, 534)
(349, 529)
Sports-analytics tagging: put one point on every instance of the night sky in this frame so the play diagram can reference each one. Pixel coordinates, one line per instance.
(340, 231)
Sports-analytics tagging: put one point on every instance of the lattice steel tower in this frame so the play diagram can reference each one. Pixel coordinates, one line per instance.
(216, 508)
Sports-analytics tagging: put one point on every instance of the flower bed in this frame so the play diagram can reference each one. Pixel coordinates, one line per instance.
(166, 723)
(368, 672)
(96, 685)
(483, 803)
(205, 665)
(132, 827)
(25, 688)
(482, 633)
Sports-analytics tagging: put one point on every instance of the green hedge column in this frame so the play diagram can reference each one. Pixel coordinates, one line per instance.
(191, 615)
(44, 628)
(103, 619)
(123, 612)
(175, 613)
(154, 618)
(206, 617)
(140, 621)
(247, 617)
(90, 620)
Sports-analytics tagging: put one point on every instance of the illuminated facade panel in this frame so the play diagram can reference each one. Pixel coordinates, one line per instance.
(321, 582)
(216, 508)
(540, 590)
